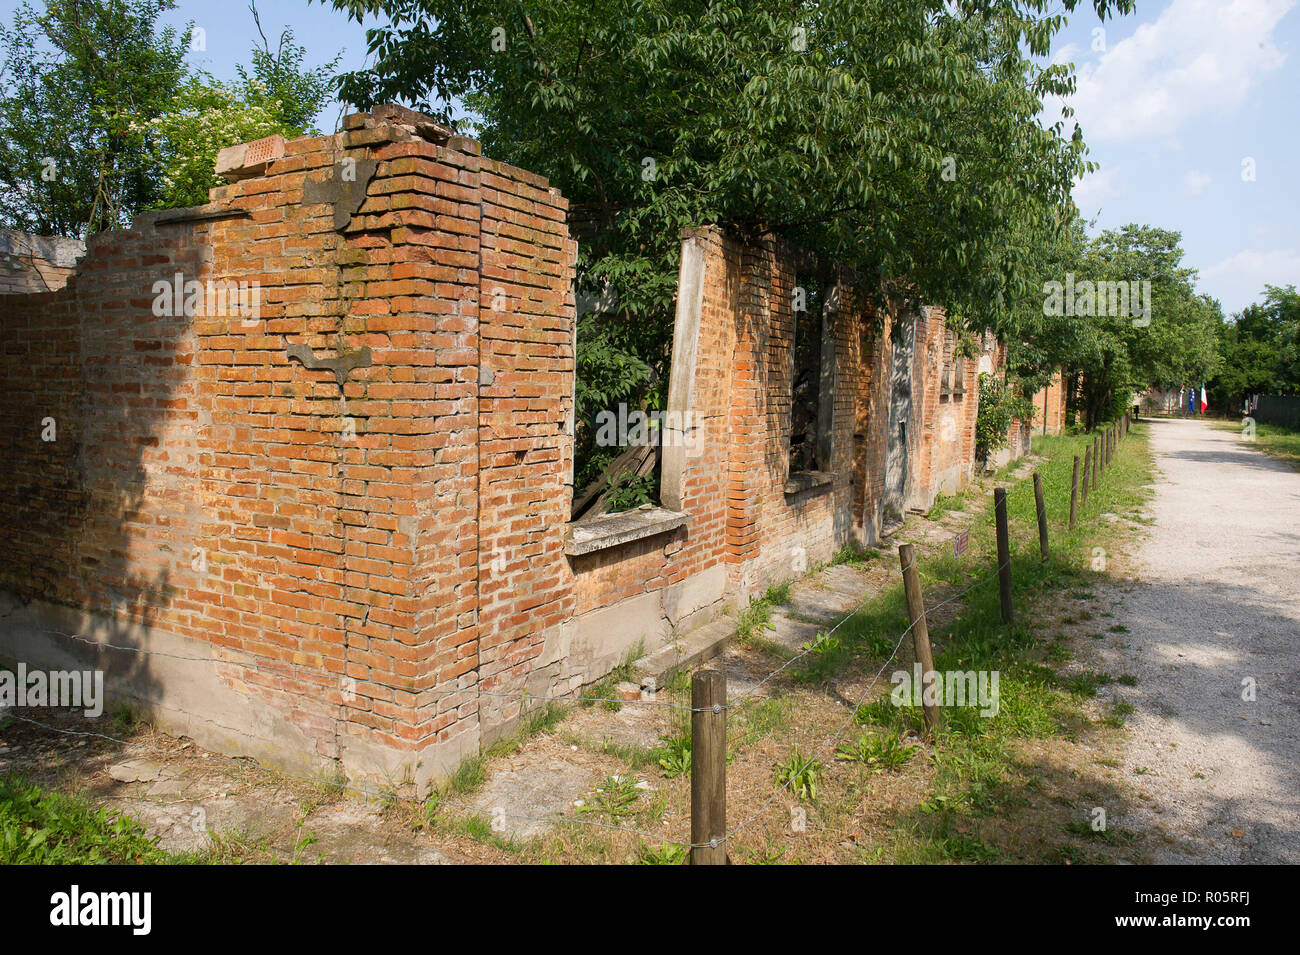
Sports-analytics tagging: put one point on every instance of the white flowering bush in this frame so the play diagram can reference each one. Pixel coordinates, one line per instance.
(205, 117)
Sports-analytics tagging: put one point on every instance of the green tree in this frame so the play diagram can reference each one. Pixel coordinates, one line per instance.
(1261, 349)
(78, 84)
(280, 82)
(100, 118)
(897, 137)
(278, 94)
(1106, 352)
(203, 118)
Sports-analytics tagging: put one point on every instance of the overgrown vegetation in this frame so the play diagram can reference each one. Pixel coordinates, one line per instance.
(813, 121)
(754, 618)
(39, 826)
(1261, 350)
(629, 491)
(101, 117)
(1000, 405)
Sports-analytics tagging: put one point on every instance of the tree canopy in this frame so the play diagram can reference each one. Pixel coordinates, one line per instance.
(79, 82)
(101, 117)
(898, 138)
(1261, 349)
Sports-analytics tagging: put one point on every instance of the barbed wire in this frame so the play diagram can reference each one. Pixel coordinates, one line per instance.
(439, 800)
(810, 648)
(793, 776)
(834, 738)
(862, 699)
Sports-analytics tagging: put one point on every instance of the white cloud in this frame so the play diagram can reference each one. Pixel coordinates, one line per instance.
(1096, 188)
(1195, 181)
(1240, 278)
(1065, 54)
(1275, 266)
(1197, 57)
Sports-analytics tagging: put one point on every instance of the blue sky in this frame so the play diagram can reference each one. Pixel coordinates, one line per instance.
(1182, 95)
(1172, 101)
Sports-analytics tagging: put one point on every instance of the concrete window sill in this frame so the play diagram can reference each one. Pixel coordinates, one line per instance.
(801, 481)
(611, 530)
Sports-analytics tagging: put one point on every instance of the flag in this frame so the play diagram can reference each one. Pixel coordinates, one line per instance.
(1205, 402)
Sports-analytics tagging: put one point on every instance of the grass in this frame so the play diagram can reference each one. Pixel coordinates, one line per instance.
(800, 773)
(976, 792)
(1274, 440)
(615, 799)
(674, 756)
(471, 773)
(854, 555)
(945, 503)
(975, 759)
(753, 619)
(622, 673)
(881, 752)
(39, 826)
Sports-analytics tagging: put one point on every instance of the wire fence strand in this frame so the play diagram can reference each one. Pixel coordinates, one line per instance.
(439, 800)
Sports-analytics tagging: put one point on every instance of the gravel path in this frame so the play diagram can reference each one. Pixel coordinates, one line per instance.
(1218, 777)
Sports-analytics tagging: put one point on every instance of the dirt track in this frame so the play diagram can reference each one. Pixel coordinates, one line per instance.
(1219, 604)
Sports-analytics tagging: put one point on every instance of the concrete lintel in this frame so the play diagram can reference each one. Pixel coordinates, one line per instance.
(611, 530)
(801, 481)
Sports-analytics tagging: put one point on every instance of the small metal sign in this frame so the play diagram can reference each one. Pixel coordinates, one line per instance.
(960, 543)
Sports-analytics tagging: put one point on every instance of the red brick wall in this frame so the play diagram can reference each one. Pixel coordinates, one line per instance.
(1049, 407)
(373, 565)
(205, 484)
(946, 447)
(525, 402)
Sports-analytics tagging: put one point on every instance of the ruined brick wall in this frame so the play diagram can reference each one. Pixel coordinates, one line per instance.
(779, 523)
(35, 263)
(1049, 407)
(750, 522)
(994, 361)
(950, 404)
(526, 368)
(336, 523)
(317, 548)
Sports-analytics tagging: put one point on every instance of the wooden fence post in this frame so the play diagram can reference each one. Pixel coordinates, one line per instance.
(1098, 464)
(708, 767)
(1004, 554)
(1074, 491)
(920, 632)
(1041, 507)
(1087, 473)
